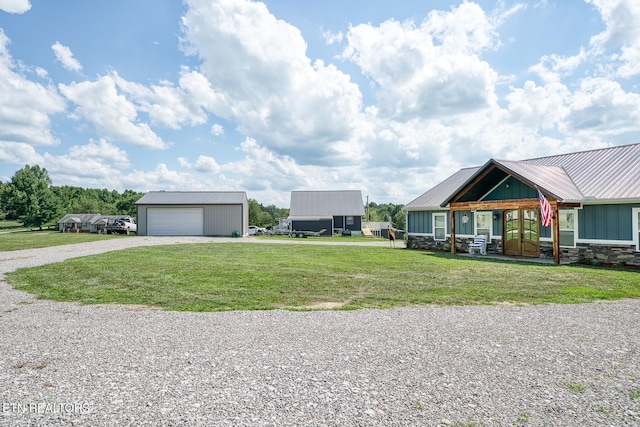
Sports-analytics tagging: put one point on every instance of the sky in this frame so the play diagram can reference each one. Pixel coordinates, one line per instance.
(389, 98)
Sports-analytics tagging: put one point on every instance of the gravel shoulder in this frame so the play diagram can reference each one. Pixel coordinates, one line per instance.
(549, 365)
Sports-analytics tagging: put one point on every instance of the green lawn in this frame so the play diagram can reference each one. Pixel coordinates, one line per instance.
(18, 240)
(241, 276)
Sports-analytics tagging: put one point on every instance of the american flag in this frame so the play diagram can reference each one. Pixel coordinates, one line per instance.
(545, 209)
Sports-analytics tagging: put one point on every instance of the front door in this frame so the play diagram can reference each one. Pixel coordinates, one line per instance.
(521, 233)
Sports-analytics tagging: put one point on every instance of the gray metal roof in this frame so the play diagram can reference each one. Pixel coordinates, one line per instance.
(605, 174)
(549, 178)
(326, 204)
(193, 198)
(433, 198)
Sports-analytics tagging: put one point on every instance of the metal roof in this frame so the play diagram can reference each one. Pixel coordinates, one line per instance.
(193, 198)
(550, 179)
(319, 204)
(604, 174)
(433, 198)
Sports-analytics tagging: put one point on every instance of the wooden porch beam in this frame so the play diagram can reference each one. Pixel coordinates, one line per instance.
(555, 231)
(496, 205)
(452, 218)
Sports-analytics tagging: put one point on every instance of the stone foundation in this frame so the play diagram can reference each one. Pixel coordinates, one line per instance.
(601, 254)
(598, 254)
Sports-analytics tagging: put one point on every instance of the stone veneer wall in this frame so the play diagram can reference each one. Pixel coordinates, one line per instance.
(603, 254)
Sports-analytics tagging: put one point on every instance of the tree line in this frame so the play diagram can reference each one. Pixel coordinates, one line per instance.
(30, 199)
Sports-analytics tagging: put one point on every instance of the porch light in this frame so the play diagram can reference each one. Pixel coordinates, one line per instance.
(465, 219)
(495, 216)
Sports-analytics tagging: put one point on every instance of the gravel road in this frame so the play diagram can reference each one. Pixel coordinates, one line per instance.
(548, 365)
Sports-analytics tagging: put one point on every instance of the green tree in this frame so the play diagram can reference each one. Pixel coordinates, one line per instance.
(400, 220)
(30, 198)
(259, 216)
(127, 203)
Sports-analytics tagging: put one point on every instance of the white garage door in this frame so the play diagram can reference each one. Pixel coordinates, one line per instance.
(175, 221)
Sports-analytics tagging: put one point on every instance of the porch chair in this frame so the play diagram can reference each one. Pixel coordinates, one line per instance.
(479, 244)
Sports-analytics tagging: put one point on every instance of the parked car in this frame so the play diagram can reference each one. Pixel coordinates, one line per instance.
(254, 230)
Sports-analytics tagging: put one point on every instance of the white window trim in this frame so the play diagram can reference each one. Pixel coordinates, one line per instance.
(433, 221)
(635, 212)
(575, 227)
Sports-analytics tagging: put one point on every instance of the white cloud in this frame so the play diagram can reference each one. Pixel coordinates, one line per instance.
(162, 178)
(15, 6)
(19, 153)
(538, 106)
(25, 106)
(431, 70)
(275, 94)
(602, 106)
(102, 150)
(171, 106)
(203, 164)
(65, 56)
(217, 129)
(332, 37)
(622, 32)
(112, 114)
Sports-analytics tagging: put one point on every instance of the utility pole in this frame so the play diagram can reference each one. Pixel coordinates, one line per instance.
(367, 208)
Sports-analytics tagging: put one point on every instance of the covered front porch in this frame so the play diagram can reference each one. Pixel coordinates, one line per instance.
(520, 225)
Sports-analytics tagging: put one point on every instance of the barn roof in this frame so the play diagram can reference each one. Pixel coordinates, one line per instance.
(318, 204)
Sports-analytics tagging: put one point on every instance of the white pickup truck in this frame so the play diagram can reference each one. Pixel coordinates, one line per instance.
(124, 225)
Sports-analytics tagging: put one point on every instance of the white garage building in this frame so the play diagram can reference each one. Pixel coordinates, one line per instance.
(193, 213)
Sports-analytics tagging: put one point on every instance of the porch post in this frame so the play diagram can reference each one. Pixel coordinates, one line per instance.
(452, 218)
(556, 232)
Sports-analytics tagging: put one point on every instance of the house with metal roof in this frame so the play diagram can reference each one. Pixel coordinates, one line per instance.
(193, 213)
(332, 211)
(594, 198)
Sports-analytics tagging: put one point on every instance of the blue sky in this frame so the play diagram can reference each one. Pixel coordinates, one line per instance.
(269, 97)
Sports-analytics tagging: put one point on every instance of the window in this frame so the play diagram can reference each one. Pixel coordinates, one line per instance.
(483, 224)
(439, 226)
(349, 220)
(567, 228)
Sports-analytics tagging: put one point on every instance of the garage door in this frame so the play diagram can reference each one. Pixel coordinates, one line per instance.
(175, 221)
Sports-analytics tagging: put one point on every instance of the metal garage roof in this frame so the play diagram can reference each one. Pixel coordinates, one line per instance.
(193, 198)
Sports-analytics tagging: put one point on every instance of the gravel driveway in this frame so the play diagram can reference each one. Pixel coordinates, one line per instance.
(548, 365)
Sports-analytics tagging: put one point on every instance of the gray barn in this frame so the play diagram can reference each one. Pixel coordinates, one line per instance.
(193, 213)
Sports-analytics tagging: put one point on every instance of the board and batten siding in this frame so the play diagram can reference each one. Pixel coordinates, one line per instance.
(516, 190)
(606, 222)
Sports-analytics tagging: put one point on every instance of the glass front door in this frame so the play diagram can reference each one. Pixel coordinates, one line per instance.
(521, 233)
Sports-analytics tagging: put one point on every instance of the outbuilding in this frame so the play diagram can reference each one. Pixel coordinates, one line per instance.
(193, 213)
(332, 211)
